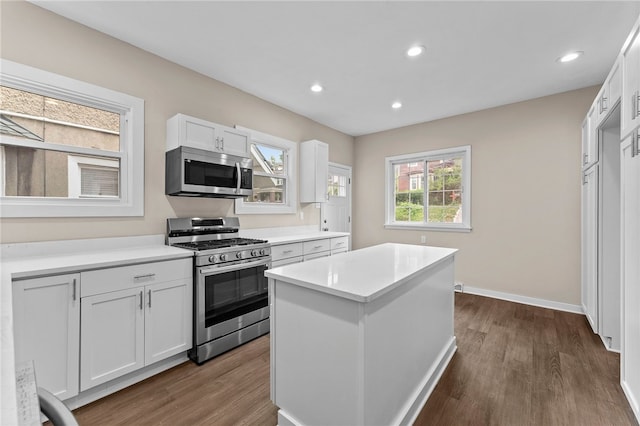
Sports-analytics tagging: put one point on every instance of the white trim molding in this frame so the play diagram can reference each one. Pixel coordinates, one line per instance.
(525, 300)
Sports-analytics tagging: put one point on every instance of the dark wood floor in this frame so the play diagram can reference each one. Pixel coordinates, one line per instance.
(515, 365)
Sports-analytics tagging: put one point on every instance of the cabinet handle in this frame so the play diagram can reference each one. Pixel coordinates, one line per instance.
(149, 298)
(222, 144)
(317, 247)
(635, 105)
(139, 277)
(217, 143)
(585, 158)
(339, 244)
(74, 289)
(141, 296)
(603, 104)
(287, 251)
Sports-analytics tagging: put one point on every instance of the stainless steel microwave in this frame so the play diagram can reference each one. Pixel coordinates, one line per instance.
(199, 173)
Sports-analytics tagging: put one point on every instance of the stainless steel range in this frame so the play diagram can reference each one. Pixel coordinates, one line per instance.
(231, 303)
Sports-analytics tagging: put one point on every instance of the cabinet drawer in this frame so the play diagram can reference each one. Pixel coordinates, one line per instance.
(338, 251)
(308, 257)
(124, 277)
(285, 251)
(339, 243)
(317, 246)
(289, 261)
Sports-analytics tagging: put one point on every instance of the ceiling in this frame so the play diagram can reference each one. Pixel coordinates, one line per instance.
(478, 54)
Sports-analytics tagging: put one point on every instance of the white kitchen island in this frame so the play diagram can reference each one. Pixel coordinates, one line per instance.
(361, 338)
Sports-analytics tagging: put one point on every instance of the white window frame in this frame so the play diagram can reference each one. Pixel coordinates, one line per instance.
(290, 149)
(75, 163)
(461, 151)
(130, 156)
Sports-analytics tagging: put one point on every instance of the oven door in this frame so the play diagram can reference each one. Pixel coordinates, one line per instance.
(229, 298)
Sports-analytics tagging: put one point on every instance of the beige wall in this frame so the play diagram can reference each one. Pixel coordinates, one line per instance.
(33, 36)
(525, 208)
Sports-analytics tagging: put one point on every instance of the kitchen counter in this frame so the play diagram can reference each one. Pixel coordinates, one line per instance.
(27, 260)
(277, 236)
(363, 337)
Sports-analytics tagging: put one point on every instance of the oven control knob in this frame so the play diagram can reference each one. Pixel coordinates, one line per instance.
(212, 259)
(239, 255)
(254, 252)
(223, 257)
(261, 252)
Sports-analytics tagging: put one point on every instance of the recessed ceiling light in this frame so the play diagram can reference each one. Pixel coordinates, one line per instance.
(571, 56)
(396, 105)
(317, 88)
(414, 51)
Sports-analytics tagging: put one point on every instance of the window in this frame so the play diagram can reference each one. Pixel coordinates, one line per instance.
(68, 148)
(274, 189)
(337, 186)
(429, 190)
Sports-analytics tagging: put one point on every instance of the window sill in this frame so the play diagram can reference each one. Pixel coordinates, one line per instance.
(424, 227)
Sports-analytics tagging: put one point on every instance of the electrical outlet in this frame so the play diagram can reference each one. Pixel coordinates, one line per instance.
(301, 215)
(458, 286)
(423, 239)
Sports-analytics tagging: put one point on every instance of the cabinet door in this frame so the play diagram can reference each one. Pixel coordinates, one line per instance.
(168, 321)
(630, 354)
(47, 330)
(610, 93)
(590, 246)
(590, 138)
(234, 141)
(314, 171)
(630, 112)
(112, 336)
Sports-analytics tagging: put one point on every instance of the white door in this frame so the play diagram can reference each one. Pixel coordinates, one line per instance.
(590, 246)
(336, 212)
(112, 336)
(47, 330)
(630, 276)
(168, 319)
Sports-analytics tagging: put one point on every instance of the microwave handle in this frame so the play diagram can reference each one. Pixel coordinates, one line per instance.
(238, 178)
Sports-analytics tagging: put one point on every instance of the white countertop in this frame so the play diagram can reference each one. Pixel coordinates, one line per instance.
(277, 237)
(363, 275)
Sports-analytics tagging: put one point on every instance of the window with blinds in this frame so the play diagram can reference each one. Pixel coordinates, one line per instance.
(98, 182)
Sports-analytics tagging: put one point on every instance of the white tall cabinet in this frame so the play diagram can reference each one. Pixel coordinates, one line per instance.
(630, 271)
(47, 330)
(611, 214)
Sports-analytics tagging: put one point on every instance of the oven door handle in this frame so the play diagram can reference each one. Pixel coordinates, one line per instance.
(234, 267)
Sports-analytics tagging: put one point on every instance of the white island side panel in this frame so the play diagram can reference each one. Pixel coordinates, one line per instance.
(337, 361)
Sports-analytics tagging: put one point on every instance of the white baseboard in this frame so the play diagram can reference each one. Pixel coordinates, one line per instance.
(533, 301)
(633, 402)
(429, 382)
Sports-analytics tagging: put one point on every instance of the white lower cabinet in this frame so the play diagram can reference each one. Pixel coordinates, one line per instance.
(128, 329)
(47, 330)
(112, 336)
(630, 271)
(285, 254)
(590, 245)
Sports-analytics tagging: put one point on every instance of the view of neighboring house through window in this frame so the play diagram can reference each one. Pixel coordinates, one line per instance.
(429, 189)
(269, 181)
(68, 148)
(29, 171)
(274, 189)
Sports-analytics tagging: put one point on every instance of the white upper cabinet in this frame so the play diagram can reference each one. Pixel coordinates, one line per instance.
(610, 93)
(314, 171)
(183, 130)
(630, 114)
(590, 138)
